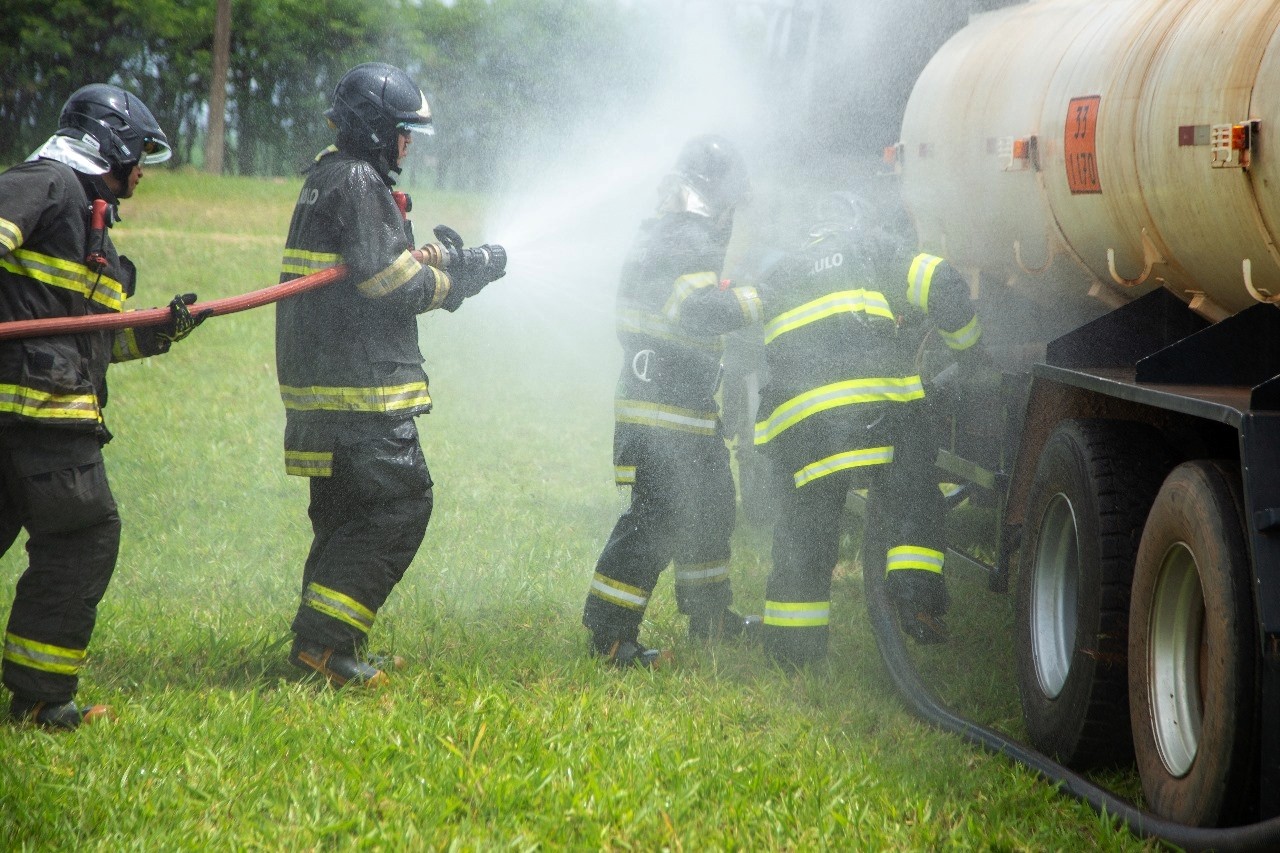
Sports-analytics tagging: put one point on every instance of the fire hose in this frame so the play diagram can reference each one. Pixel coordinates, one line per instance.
(161, 316)
(1264, 835)
(442, 256)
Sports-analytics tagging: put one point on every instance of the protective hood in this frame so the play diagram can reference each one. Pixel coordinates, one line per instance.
(75, 153)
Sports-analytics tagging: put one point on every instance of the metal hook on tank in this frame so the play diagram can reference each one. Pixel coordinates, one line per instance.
(1260, 295)
(1150, 257)
(1017, 257)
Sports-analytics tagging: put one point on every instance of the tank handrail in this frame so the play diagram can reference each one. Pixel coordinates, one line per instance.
(1247, 269)
(1017, 258)
(1150, 257)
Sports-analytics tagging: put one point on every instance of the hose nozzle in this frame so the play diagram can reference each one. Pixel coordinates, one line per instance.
(489, 260)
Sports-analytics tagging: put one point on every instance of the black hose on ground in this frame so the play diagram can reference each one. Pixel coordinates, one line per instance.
(1260, 836)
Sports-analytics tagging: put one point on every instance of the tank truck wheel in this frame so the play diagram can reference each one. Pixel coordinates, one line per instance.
(1193, 666)
(1094, 483)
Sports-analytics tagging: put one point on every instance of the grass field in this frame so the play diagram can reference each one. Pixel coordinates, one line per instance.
(500, 733)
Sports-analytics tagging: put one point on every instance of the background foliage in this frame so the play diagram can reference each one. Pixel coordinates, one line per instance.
(500, 74)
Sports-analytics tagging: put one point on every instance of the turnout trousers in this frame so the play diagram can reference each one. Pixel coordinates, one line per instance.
(904, 537)
(54, 484)
(683, 509)
(368, 519)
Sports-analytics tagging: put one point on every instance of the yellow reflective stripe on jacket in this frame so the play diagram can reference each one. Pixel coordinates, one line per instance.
(702, 574)
(875, 389)
(797, 614)
(10, 236)
(624, 475)
(322, 399)
(344, 608)
(308, 463)
(843, 462)
(391, 278)
(845, 301)
(965, 337)
(42, 656)
(31, 403)
(749, 301)
(68, 275)
(914, 557)
(637, 322)
(616, 592)
(919, 277)
(443, 284)
(684, 286)
(658, 415)
(302, 262)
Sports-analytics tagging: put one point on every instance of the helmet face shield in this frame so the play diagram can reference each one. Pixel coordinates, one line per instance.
(417, 119)
(155, 151)
(416, 127)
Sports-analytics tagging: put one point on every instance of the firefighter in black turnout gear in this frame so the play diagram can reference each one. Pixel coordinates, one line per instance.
(668, 443)
(350, 369)
(57, 259)
(845, 409)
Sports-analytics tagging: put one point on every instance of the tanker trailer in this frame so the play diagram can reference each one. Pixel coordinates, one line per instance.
(1100, 171)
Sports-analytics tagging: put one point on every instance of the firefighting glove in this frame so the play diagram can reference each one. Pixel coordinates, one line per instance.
(470, 270)
(921, 599)
(181, 322)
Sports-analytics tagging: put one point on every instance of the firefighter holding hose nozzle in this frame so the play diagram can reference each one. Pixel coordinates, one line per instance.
(350, 369)
(845, 315)
(57, 260)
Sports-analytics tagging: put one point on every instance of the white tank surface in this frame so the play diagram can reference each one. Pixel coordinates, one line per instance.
(1105, 147)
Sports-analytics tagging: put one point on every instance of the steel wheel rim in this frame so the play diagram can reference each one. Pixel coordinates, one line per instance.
(1174, 660)
(1054, 593)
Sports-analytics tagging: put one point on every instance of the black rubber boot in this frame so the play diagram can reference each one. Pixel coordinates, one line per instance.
(921, 600)
(66, 716)
(337, 668)
(625, 654)
(927, 629)
(725, 624)
(384, 661)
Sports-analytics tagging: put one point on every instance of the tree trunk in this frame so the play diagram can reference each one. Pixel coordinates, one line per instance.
(214, 143)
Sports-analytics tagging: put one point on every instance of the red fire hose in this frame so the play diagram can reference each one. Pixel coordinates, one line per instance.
(432, 254)
(160, 316)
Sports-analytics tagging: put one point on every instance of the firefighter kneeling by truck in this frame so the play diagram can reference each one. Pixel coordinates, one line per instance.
(845, 408)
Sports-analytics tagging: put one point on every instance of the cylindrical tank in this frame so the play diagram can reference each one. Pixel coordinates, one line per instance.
(1104, 147)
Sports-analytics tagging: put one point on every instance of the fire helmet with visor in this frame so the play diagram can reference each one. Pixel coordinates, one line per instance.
(715, 169)
(116, 125)
(372, 103)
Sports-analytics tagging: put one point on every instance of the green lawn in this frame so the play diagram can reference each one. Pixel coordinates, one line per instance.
(500, 732)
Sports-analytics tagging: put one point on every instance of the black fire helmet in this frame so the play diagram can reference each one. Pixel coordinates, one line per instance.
(117, 124)
(716, 171)
(372, 103)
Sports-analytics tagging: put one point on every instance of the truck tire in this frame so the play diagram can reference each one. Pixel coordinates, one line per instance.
(1094, 483)
(1192, 711)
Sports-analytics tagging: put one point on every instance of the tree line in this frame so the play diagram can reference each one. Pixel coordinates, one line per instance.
(494, 71)
(497, 73)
